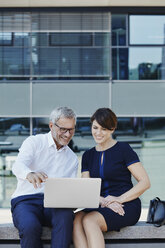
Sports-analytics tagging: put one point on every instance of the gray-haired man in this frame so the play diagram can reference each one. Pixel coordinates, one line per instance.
(39, 157)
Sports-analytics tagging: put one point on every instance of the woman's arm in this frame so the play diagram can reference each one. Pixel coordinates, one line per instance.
(139, 173)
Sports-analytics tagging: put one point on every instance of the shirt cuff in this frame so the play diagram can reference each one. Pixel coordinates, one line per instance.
(24, 173)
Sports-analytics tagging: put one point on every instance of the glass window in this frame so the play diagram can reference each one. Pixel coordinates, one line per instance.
(22, 39)
(16, 61)
(40, 39)
(147, 63)
(118, 30)
(138, 63)
(70, 39)
(1, 61)
(71, 61)
(129, 126)
(13, 131)
(34, 44)
(102, 39)
(14, 127)
(40, 125)
(145, 135)
(120, 64)
(6, 39)
(95, 62)
(147, 29)
(154, 123)
(46, 61)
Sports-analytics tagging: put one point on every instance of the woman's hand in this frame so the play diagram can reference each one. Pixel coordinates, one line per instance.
(113, 203)
(117, 208)
(110, 199)
(102, 201)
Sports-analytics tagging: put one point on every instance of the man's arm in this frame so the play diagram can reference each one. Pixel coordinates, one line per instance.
(21, 168)
(36, 178)
(75, 171)
(25, 157)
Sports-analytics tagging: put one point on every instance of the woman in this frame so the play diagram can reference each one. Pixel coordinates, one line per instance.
(114, 162)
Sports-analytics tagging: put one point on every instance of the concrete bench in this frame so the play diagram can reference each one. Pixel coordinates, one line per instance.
(139, 235)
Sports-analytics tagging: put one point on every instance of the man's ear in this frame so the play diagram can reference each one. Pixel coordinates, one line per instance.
(50, 125)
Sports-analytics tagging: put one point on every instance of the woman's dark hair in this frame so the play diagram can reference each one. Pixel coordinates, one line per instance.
(105, 118)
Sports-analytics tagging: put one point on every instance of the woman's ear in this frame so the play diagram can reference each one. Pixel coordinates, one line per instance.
(112, 130)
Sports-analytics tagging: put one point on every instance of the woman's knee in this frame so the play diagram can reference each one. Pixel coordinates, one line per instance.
(77, 224)
(94, 219)
(78, 218)
(88, 221)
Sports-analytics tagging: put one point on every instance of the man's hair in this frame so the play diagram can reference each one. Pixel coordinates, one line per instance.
(62, 112)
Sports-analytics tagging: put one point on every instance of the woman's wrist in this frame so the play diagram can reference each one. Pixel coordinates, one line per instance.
(121, 199)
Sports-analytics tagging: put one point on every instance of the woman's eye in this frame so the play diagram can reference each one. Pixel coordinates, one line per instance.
(94, 127)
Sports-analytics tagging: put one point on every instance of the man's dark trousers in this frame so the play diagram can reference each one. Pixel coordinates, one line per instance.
(29, 216)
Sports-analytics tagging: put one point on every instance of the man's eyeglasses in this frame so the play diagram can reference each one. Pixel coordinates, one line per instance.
(65, 130)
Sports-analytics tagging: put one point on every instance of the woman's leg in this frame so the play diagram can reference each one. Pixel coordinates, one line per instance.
(94, 224)
(79, 237)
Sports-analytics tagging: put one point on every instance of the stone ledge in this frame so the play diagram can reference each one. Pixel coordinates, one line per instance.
(141, 230)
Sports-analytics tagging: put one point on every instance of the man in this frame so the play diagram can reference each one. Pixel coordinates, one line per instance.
(42, 156)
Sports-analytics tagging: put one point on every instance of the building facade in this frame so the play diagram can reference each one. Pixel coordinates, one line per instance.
(83, 55)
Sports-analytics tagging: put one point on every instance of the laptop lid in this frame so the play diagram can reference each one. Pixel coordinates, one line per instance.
(72, 192)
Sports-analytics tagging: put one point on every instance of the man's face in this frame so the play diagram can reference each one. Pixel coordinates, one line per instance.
(62, 131)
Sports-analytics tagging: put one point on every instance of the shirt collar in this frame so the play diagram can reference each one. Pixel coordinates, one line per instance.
(52, 143)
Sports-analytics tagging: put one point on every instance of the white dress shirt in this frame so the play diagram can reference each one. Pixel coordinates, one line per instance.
(39, 154)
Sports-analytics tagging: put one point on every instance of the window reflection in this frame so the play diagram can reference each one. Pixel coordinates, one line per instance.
(40, 125)
(71, 61)
(120, 63)
(6, 39)
(70, 39)
(145, 135)
(14, 127)
(22, 39)
(16, 61)
(118, 30)
(140, 63)
(13, 131)
(38, 44)
(147, 63)
(147, 29)
(102, 39)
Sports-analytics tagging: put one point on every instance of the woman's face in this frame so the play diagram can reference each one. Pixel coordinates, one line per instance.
(100, 134)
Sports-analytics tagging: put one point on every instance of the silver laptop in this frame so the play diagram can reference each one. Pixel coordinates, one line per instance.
(72, 192)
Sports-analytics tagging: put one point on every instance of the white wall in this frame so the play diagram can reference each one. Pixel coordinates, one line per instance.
(75, 3)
